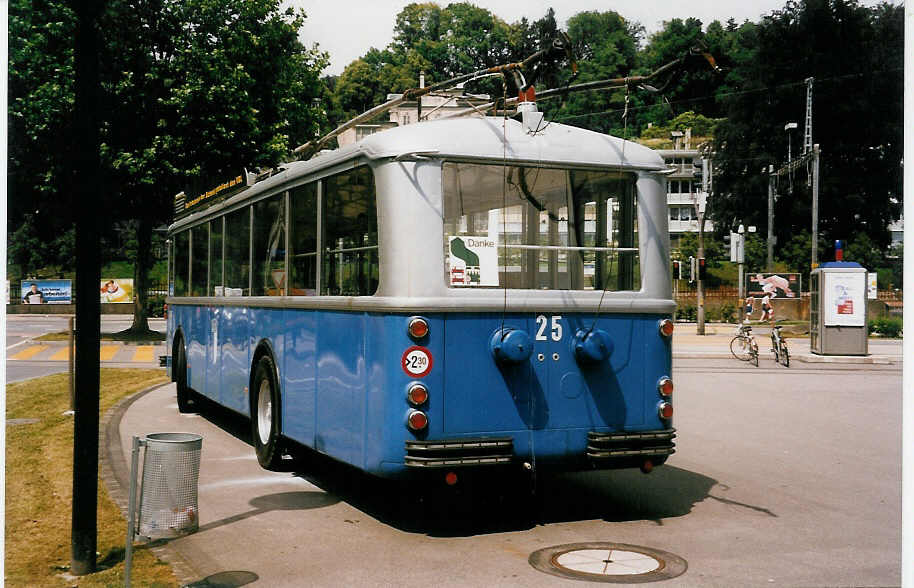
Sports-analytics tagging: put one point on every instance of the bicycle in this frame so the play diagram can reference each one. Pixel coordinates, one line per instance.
(743, 345)
(779, 347)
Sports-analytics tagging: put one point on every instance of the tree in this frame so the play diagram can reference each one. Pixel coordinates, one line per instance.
(192, 91)
(855, 55)
(197, 91)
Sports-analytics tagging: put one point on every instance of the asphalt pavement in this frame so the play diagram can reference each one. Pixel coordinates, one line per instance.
(769, 500)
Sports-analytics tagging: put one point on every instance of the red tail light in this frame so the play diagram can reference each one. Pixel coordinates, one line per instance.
(417, 420)
(417, 394)
(418, 328)
(666, 327)
(665, 387)
(665, 410)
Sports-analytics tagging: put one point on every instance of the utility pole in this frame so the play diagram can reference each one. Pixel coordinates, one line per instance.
(807, 127)
(740, 259)
(771, 178)
(701, 205)
(815, 207)
(88, 275)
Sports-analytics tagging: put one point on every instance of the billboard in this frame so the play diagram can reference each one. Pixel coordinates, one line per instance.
(116, 291)
(782, 285)
(844, 296)
(46, 291)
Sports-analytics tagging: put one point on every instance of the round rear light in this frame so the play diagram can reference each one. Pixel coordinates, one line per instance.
(450, 478)
(417, 420)
(665, 387)
(666, 327)
(418, 328)
(417, 394)
(665, 409)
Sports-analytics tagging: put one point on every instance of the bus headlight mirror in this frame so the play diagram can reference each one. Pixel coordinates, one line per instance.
(511, 345)
(592, 346)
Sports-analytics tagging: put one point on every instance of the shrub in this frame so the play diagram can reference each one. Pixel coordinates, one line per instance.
(887, 327)
(686, 312)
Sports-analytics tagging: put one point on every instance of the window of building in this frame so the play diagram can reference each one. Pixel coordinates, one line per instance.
(349, 265)
(524, 227)
(303, 240)
(268, 238)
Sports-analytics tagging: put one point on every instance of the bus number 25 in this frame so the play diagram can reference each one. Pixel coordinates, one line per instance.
(556, 331)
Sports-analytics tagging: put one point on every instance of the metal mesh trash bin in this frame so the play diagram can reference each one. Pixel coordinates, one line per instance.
(168, 494)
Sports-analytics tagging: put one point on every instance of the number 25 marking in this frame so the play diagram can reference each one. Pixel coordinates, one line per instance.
(556, 322)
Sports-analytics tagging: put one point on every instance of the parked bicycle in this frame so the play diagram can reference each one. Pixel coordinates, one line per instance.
(743, 345)
(779, 347)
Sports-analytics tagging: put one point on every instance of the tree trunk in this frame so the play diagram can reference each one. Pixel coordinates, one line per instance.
(141, 275)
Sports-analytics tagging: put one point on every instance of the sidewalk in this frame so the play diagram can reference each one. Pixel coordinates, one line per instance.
(109, 352)
(715, 343)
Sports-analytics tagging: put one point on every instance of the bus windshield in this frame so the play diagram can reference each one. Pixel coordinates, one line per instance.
(539, 228)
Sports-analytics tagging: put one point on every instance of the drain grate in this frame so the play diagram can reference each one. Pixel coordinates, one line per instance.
(614, 563)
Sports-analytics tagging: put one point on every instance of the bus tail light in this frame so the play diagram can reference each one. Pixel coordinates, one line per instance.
(165, 311)
(665, 410)
(418, 328)
(666, 327)
(450, 478)
(417, 420)
(665, 387)
(417, 394)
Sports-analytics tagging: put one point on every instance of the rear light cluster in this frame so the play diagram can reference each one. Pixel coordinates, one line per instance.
(666, 327)
(665, 407)
(417, 394)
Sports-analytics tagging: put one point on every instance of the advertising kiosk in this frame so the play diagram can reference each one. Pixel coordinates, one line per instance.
(837, 309)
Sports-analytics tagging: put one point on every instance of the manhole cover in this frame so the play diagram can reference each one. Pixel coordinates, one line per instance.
(608, 562)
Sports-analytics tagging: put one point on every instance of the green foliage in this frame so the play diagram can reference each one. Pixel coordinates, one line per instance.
(886, 327)
(855, 55)
(700, 125)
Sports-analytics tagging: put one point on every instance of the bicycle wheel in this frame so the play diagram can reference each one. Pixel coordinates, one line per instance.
(753, 349)
(739, 347)
(785, 355)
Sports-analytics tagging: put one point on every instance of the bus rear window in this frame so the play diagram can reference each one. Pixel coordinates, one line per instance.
(537, 228)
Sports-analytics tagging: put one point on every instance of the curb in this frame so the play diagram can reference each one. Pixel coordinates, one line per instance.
(115, 473)
(805, 358)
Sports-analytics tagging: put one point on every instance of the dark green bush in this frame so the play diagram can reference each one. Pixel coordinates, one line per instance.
(887, 327)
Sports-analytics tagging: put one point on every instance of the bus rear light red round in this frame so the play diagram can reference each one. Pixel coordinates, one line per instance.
(666, 327)
(665, 410)
(450, 478)
(665, 387)
(418, 328)
(417, 394)
(417, 420)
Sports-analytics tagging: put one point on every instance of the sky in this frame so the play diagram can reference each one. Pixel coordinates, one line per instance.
(346, 29)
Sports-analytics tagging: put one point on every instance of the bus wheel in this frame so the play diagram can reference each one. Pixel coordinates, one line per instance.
(180, 371)
(265, 413)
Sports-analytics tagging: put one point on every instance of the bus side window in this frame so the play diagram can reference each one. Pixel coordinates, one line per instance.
(269, 240)
(237, 252)
(349, 266)
(199, 256)
(182, 262)
(303, 241)
(215, 256)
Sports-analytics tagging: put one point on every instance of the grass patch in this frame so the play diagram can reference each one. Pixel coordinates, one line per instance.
(128, 336)
(39, 488)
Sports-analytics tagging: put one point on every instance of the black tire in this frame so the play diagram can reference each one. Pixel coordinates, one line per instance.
(265, 415)
(740, 348)
(754, 351)
(179, 368)
(785, 355)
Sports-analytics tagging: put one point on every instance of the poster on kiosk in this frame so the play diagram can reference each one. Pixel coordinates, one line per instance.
(845, 299)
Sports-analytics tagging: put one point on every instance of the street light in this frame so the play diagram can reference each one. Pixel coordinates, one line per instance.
(787, 128)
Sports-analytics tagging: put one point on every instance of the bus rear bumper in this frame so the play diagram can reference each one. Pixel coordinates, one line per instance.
(611, 450)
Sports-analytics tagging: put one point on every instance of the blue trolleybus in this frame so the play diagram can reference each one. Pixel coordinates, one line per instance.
(441, 297)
